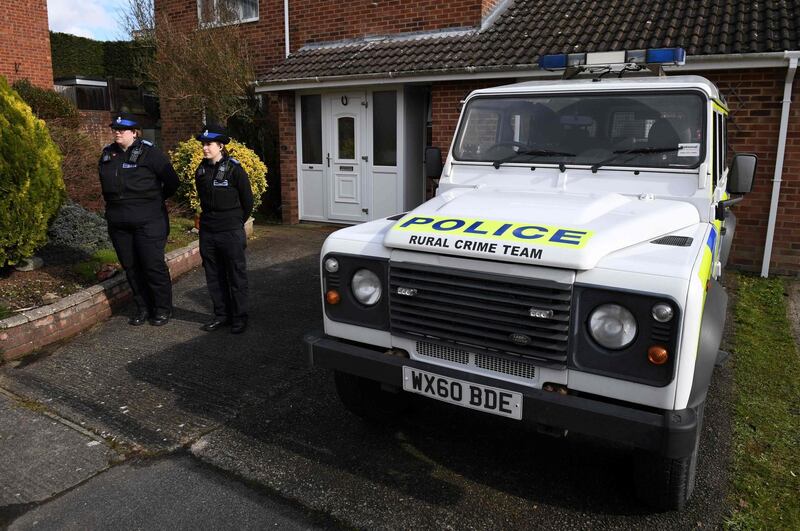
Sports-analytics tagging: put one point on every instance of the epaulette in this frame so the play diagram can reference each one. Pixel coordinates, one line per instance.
(147, 143)
(110, 146)
(234, 161)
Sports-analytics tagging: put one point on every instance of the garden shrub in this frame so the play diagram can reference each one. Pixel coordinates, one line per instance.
(31, 184)
(48, 104)
(79, 166)
(188, 155)
(75, 235)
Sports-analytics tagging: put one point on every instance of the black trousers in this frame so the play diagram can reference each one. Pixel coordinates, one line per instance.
(140, 249)
(226, 272)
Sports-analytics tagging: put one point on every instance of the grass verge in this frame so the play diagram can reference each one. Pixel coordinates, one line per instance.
(766, 460)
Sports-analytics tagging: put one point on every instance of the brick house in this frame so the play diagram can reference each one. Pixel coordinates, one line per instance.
(384, 79)
(25, 42)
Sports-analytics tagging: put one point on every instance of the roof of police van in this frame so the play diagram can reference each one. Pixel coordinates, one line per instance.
(607, 84)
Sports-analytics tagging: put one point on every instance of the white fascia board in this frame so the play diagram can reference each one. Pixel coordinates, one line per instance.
(694, 63)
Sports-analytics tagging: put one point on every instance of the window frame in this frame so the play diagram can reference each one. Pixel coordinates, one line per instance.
(217, 23)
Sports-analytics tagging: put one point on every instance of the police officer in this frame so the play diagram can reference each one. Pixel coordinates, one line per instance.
(136, 178)
(226, 201)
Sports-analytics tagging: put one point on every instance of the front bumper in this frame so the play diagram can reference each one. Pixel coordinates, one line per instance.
(668, 433)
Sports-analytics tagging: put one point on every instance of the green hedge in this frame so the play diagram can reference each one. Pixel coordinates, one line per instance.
(31, 184)
(76, 56)
(79, 56)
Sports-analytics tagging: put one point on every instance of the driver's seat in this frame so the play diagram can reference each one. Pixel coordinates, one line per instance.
(662, 135)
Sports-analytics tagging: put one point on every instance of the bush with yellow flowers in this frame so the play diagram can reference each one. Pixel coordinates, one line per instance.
(188, 155)
(31, 183)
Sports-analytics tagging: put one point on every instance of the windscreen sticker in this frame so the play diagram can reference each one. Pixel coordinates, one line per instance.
(689, 150)
(512, 239)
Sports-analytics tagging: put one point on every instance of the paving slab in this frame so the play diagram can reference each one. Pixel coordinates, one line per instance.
(40, 456)
(175, 493)
(155, 389)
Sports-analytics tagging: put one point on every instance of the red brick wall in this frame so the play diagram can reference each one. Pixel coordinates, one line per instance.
(754, 98)
(332, 20)
(95, 124)
(446, 107)
(290, 211)
(25, 42)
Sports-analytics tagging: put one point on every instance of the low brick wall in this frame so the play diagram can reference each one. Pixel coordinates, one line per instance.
(34, 329)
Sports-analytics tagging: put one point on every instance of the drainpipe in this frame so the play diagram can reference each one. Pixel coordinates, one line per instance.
(776, 180)
(286, 25)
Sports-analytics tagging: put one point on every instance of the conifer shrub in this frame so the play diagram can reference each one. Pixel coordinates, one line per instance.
(31, 184)
(74, 235)
(188, 155)
(48, 104)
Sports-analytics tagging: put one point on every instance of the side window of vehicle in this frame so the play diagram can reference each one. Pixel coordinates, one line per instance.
(724, 142)
(716, 148)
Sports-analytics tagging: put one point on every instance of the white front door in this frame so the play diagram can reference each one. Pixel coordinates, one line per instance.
(347, 159)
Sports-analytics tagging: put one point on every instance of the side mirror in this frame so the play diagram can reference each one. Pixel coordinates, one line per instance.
(742, 173)
(433, 162)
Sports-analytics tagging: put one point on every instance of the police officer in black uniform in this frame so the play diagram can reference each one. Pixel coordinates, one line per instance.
(226, 201)
(136, 178)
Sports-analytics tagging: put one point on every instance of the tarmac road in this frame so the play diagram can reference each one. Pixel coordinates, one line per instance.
(249, 408)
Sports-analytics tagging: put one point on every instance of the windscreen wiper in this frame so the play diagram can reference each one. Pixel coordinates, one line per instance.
(634, 151)
(532, 153)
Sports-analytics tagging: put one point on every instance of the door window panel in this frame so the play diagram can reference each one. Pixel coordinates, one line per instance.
(311, 123)
(347, 138)
(384, 120)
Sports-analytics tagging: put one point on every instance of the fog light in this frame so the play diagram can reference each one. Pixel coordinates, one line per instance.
(332, 297)
(331, 265)
(657, 355)
(662, 312)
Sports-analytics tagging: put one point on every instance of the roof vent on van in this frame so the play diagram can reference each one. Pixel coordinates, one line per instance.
(677, 241)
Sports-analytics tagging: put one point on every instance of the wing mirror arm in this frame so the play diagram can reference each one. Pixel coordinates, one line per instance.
(726, 204)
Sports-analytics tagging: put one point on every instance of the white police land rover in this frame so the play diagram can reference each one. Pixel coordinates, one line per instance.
(565, 274)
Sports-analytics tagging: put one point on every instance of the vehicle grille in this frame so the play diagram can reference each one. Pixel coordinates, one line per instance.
(481, 312)
(488, 362)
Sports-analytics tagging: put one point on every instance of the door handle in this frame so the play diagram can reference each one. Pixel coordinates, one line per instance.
(365, 158)
(329, 160)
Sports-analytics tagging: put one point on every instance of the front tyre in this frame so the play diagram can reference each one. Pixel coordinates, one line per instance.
(664, 483)
(366, 399)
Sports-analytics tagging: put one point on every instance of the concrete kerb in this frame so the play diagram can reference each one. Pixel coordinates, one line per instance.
(23, 333)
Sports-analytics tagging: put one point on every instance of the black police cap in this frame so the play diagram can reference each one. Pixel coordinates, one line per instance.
(214, 133)
(124, 121)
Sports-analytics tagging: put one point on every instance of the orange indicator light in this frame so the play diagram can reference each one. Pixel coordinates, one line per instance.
(332, 297)
(657, 355)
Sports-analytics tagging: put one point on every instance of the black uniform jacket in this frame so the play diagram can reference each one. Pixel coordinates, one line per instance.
(226, 199)
(135, 181)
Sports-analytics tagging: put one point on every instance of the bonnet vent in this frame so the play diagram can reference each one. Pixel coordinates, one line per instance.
(676, 241)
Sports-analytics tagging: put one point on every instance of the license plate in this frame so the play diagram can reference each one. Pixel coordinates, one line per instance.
(466, 394)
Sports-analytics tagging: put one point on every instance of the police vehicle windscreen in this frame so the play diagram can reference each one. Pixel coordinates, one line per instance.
(664, 130)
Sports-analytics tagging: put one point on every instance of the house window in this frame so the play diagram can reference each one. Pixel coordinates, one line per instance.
(311, 124)
(212, 12)
(384, 119)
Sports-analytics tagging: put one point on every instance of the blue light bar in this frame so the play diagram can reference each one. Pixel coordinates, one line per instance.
(553, 62)
(561, 61)
(666, 55)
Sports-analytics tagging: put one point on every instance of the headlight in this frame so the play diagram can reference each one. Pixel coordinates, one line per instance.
(366, 287)
(613, 326)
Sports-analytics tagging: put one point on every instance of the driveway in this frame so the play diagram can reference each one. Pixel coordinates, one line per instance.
(250, 408)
